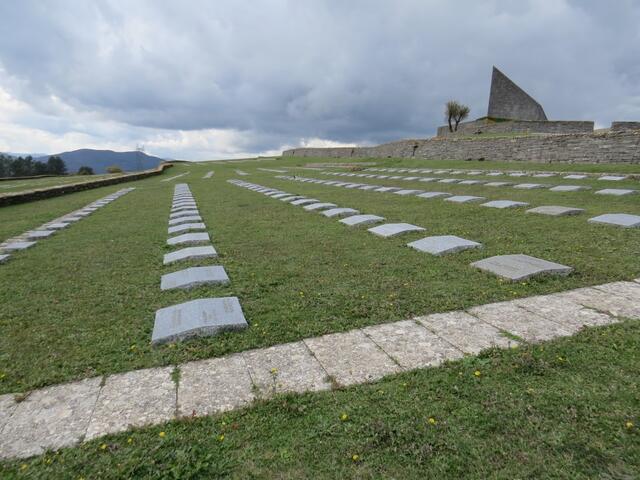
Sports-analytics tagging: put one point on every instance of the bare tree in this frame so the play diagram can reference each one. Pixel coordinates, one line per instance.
(454, 113)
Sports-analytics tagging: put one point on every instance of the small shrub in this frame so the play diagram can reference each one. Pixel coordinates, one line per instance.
(114, 169)
(84, 170)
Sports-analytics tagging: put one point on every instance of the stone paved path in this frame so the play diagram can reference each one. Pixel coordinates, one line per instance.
(64, 415)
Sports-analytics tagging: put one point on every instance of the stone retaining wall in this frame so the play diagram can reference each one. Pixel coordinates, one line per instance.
(611, 147)
(40, 194)
(485, 125)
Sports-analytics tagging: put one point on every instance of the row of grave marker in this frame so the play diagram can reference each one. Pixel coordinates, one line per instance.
(618, 192)
(516, 267)
(497, 173)
(201, 317)
(30, 238)
(616, 219)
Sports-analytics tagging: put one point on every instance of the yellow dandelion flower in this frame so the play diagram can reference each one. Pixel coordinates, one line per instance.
(629, 425)
(355, 457)
(221, 437)
(274, 371)
(129, 440)
(432, 421)
(103, 446)
(162, 434)
(133, 347)
(477, 373)
(344, 417)
(24, 466)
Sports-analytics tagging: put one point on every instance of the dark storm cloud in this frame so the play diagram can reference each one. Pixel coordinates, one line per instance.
(357, 71)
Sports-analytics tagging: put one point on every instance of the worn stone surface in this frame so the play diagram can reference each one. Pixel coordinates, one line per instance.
(612, 178)
(630, 290)
(386, 189)
(569, 188)
(184, 213)
(339, 212)
(574, 176)
(4, 257)
(181, 220)
(520, 322)
(497, 184)
(463, 199)
(189, 239)
(617, 219)
(190, 253)
(304, 201)
(280, 195)
(617, 192)
(520, 267)
(285, 368)
(392, 229)
(471, 182)
(604, 301)
(193, 277)
(528, 186)
(185, 227)
(571, 315)
(213, 386)
(411, 345)
(357, 220)
(504, 204)
(291, 198)
(198, 318)
(7, 406)
(15, 246)
(408, 192)
(57, 226)
(443, 244)
(466, 332)
(40, 234)
(434, 195)
(449, 180)
(351, 357)
(319, 206)
(133, 399)
(556, 210)
(49, 418)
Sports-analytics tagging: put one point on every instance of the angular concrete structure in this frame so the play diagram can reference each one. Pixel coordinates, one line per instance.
(507, 100)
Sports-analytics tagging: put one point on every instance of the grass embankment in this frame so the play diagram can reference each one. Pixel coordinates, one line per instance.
(564, 410)
(82, 303)
(25, 185)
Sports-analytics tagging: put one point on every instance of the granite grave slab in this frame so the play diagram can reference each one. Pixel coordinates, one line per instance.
(339, 212)
(189, 239)
(618, 219)
(319, 206)
(504, 204)
(194, 276)
(520, 267)
(190, 253)
(463, 199)
(556, 210)
(617, 192)
(392, 229)
(434, 195)
(357, 220)
(443, 244)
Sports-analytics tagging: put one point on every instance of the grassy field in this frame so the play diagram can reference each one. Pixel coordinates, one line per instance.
(17, 186)
(82, 303)
(563, 410)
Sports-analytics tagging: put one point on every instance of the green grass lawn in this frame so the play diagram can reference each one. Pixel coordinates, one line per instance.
(567, 409)
(17, 186)
(82, 302)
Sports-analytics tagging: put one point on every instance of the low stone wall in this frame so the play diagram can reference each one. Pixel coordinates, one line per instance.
(518, 126)
(40, 194)
(624, 126)
(611, 147)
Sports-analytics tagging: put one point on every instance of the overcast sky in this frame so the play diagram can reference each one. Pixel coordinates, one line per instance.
(210, 79)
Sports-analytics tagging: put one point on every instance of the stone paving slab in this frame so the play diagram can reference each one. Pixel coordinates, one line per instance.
(617, 219)
(463, 199)
(357, 220)
(556, 211)
(190, 253)
(468, 333)
(520, 267)
(7, 406)
(571, 315)
(40, 234)
(339, 212)
(569, 188)
(57, 226)
(185, 227)
(411, 345)
(625, 289)
(617, 192)
(392, 229)
(133, 399)
(504, 204)
(286, 368)
(443, 244)
(351, 357)
(617, 305)
(194, 277)
(520, 322)
(189, 239)
(434, 194)
(319, 206)
(15, 246)
(49, 418)
(198, 318)
(189, 219)
(213, 386)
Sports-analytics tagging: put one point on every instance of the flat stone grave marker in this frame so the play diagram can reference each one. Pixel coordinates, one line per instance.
(189, 239)
(473, 172)
(82, 213)
(520, 267)
(463, 199)
(182, 209)
(441, 245)
(395, 177)
(471, 182)
(517, 174)
(291, 198)
(305, 201)
(13, 246)
(544, 175)
(504, 204)
(427, 179)
(4, 257)
(339, 212)
(410, 178)
(354, 185)
(618, 192)
(274, 194)
(574, 177)
(449, 180)
(281, 195)
(528, 186)
(73, 219)
(434, 194)
(617, 219)
(556, 211)
(494, 174)
(382, 176)
(497, 184)
(40, 234)
(369, 187)
(408, 192)
(612, 178)
(319, 206)
(387, 189)
(185, 227)
(193, 277)
(197, 318)
(190, 253)
(184, 213)
(569, 188)
(392, 229)
(357, 220)
(189, 219)
(57, 226)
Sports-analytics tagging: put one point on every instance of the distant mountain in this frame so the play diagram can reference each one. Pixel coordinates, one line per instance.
(99, 160)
